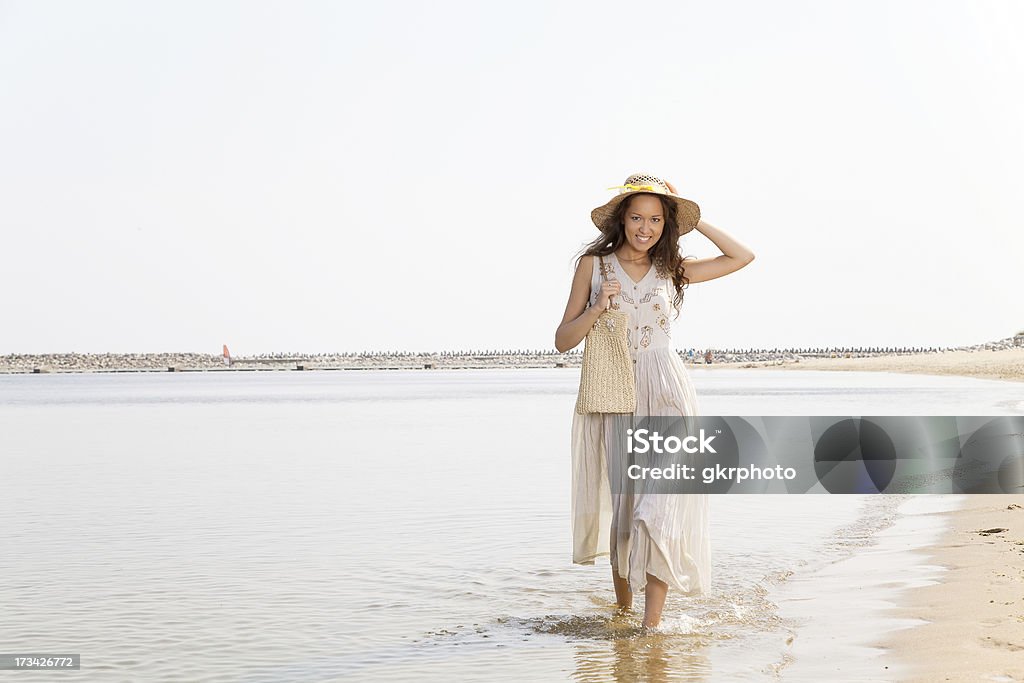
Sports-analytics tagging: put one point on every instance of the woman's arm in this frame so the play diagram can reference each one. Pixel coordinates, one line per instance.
(578, 319)
(734, 256)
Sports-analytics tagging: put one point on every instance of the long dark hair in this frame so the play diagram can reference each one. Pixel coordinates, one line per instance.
(664, 254)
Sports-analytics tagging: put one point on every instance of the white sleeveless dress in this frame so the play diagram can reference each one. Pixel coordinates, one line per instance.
(666, 536)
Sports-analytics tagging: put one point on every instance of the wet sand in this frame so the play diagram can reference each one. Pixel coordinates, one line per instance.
(975, 612)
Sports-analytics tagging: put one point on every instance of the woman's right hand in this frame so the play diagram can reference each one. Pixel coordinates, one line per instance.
(609, 288)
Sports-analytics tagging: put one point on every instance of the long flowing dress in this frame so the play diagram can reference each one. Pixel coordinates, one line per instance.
(665, 535)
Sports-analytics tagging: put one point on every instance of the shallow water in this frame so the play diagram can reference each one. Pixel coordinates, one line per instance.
(375, 525)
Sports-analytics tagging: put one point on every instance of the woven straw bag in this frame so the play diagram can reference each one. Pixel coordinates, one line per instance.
(607, 383)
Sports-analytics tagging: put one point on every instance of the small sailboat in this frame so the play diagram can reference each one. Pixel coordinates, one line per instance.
(227, 356)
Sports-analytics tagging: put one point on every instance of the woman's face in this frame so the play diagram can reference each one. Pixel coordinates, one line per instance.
(644, 221)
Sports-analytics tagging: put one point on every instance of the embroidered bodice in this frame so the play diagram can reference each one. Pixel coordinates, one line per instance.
(647, 301)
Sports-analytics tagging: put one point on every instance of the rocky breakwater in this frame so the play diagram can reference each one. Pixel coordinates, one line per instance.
(107, 362)
(451, 360)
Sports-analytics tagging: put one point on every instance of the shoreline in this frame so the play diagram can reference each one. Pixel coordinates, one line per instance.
(833, 611)
(970, 620)
(928, 598)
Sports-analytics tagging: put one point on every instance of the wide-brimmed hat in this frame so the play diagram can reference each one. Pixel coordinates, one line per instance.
(687, 212)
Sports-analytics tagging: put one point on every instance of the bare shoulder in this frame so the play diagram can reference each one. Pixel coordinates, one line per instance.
(580, 292)
(582, 279)
(586, 266)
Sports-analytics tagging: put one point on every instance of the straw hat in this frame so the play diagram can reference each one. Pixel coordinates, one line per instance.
(687, 212)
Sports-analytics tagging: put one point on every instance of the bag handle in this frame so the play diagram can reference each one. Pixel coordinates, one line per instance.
(604, 278)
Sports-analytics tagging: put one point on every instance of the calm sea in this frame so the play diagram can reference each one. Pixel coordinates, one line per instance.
(396, 525)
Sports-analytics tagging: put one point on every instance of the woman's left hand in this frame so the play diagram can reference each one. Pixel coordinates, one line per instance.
(671, 187)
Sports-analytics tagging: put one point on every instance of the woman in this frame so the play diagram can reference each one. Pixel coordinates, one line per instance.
(654, 541)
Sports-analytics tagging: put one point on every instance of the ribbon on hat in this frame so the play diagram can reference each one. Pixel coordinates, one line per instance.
(636, 188)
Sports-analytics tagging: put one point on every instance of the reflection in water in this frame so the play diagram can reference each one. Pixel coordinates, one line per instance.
(652, 658)
(610, 644)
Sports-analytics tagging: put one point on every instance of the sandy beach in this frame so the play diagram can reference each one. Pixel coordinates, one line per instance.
(976, 610)
(1005, 364)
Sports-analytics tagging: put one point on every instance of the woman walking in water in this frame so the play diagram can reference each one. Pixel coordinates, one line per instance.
(655, 541)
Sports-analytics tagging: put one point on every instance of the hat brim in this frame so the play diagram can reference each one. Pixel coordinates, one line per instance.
(687, 212)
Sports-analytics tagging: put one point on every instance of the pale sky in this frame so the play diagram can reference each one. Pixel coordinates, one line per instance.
(329, 176)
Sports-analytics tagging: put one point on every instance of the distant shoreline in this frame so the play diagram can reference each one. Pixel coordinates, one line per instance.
(995, 360)
(1005, 364)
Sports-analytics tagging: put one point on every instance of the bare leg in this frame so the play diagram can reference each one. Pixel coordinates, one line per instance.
(654, 600)
(623, 596)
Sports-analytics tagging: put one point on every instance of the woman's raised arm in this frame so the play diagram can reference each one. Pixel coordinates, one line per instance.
(734, 256)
